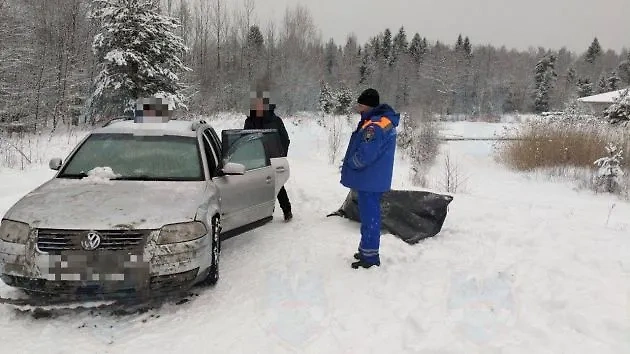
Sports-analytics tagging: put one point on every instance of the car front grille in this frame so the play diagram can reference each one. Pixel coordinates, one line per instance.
(55, 241)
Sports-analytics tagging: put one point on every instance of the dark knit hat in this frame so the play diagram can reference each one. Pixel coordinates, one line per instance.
(369, 98)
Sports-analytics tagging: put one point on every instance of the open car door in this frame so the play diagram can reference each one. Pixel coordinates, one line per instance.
(273, 148)
(246, 183)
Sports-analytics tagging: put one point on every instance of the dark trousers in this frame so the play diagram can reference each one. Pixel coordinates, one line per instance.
(283, 198)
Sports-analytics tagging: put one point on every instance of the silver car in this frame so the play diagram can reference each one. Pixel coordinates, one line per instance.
(141, 209)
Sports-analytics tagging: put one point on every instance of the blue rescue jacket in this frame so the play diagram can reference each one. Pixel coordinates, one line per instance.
(369, 162)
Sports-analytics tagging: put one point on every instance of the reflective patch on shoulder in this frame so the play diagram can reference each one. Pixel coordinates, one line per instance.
(369, 133)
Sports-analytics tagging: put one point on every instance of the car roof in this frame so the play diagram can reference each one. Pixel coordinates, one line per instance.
(172, 127)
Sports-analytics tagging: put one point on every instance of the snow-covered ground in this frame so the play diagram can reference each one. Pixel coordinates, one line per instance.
(521, 266)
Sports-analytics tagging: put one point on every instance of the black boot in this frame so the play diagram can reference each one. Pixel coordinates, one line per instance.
(288, 215)
(357, 256)
(364, 264)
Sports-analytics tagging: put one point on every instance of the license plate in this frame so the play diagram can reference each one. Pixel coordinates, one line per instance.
(102, 266)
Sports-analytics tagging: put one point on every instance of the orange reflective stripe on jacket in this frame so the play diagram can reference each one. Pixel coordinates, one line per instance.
(384, 123)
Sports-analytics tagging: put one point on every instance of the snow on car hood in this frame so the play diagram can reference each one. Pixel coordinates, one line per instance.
(84, 204)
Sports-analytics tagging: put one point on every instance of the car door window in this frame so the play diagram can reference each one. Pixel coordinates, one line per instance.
(215, 145)
(249, 152)
(216, 142)
(210, 156)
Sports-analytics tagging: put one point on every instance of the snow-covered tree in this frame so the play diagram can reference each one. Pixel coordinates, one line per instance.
(584, 87)
(365, 69)
(613, 81)
(624, 70)
(387, 44)
(610, 172)
(139, 53)
(327, 101)
(344, 101)
(415, 48)
(593, 52)
(619, 111)
(544, 78)
(330, 55)
(400, 45)
(602, 85)
(255, 51)
(467, 46)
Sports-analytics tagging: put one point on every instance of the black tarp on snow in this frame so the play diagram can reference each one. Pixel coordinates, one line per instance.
(410, 215)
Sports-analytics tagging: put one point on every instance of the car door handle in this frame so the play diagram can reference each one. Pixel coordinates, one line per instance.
(269, 179)
(280, 169)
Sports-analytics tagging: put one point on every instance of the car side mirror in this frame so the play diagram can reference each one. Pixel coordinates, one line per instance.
(55, 164)
(232, 168)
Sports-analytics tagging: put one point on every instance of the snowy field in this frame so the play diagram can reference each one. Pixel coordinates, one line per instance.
(521, 266)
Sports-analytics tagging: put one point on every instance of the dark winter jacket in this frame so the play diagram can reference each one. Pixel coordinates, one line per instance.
(369, 161)
(269, 121)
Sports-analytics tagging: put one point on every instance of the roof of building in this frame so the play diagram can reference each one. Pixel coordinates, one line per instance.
(606, 97)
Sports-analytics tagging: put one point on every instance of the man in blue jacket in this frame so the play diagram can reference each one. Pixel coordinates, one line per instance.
(368, 168)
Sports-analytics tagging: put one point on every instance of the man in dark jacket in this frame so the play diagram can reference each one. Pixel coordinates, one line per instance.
(368, 168)
(262, 116)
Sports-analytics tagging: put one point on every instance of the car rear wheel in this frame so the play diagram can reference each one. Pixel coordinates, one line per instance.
(215, 252)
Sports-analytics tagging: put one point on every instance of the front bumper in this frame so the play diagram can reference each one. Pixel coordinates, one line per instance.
(151, 270)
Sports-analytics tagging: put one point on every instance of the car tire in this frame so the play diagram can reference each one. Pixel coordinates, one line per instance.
(215, 253)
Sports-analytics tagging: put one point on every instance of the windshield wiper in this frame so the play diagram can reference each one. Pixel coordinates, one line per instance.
(146, 178)
(133, 178)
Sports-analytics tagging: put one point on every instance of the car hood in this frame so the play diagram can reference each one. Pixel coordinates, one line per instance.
(78, 204)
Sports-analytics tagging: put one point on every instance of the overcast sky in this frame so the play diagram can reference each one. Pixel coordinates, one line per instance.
(513, 23)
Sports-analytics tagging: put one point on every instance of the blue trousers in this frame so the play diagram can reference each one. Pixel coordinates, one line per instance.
(370, 215)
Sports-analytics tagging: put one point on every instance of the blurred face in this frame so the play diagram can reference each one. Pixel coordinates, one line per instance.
(259, 104)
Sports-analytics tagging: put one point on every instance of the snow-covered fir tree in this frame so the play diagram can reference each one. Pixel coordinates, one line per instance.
(344, 101)
(415, 48)
(327, 100)
(619, 111)
(400, 46)
(467, 46)
(613, 81)
(544, 78)
(593, 52)
(624, 70)
(584, 87)
(139, 53)
(610, 171)
(387, 44)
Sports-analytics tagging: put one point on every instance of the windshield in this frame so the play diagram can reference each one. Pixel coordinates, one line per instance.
(150, 158)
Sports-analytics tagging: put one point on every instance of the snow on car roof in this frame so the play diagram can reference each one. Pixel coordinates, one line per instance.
(172, 127)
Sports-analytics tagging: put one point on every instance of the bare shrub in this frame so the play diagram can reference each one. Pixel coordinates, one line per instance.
(334, 126)
(419, 137)
(453, 179)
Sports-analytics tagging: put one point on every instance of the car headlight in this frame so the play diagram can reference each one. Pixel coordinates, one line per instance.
(14, 231)
(183, 232)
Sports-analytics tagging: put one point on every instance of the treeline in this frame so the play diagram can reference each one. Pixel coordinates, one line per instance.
(48, 68)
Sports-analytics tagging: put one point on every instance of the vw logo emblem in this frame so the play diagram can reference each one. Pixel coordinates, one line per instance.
(91, 241)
